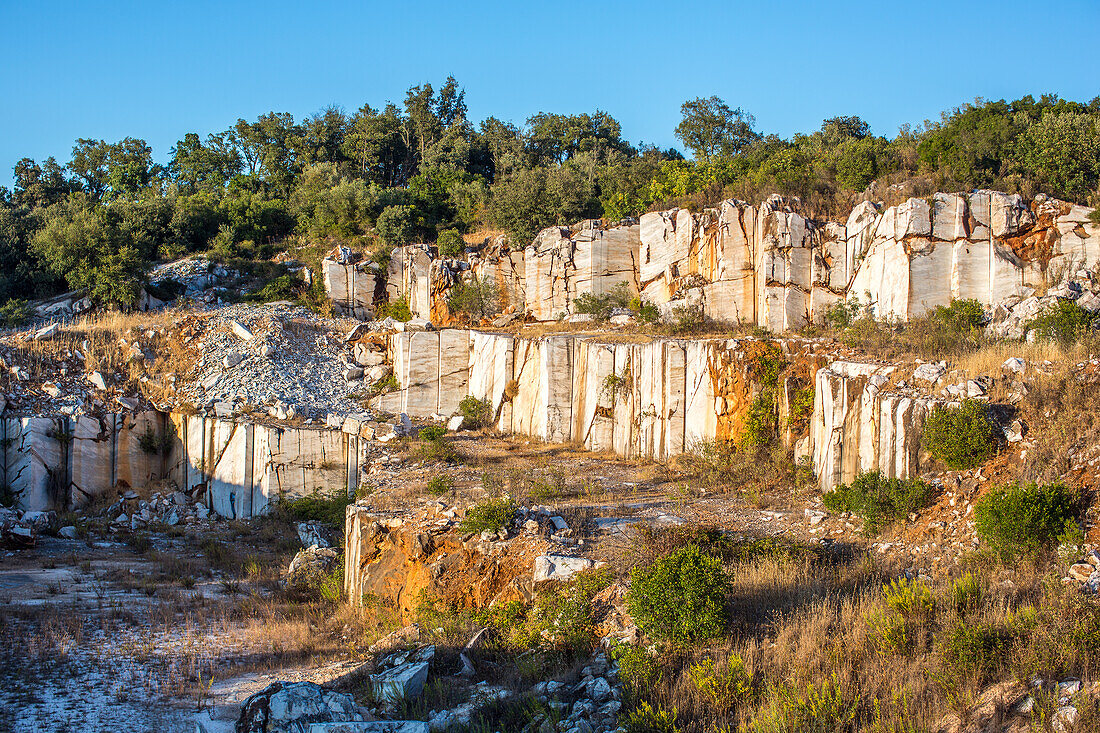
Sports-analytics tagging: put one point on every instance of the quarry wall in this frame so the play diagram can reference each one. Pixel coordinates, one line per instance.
(240, 468)
(766, 264)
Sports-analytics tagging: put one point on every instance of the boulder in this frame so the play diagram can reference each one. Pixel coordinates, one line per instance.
(41, 522)
(309, 568)
(242, 333)
(403, 682)
(96, 379)
(560, 567)
(292, 707)
(232, 359)
(929, 372)
(47, 332)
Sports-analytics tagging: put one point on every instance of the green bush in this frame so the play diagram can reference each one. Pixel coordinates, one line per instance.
(961, 315)
(434, 445)
(285, 287)
(600, 306)
(475, 413)
(638, 668)
(330, 509)
(725, 687)
(1024, 519)
(842, 313)
(879, 500)
(398, 310)
(439, 485)
(432, 432)
(815, 708)
(644, 311)
(972, 650)
(450, 244)
(963, 436)
(680, 597)
(477, 298)
(493, 515)
(648, 719)
(14, 313)
(1065, 321)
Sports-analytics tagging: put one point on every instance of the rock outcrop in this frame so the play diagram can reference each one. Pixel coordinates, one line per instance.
(654, 398)
(769, 264)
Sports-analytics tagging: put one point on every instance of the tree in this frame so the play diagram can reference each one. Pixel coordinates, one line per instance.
(40, 186)
(711, 129)
(1063, 150)
(395, 225)
(197, 166)
(376, 147)
(80, 244)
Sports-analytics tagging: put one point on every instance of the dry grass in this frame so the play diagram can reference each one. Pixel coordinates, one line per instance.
(802, 623)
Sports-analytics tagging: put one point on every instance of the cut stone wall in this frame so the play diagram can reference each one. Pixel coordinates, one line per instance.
(61, 463)
(859, 426)
(653, 398)
(765, 264)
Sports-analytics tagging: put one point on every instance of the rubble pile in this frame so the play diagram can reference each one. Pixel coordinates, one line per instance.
(277, 358)
(20, 530)
(1014, 316)
(167, 509)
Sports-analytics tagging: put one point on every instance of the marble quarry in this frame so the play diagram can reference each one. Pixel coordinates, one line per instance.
(766, 264)
(649, 398)
(240, 467)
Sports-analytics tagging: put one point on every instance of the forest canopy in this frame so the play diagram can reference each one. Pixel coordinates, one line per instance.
(413, 171)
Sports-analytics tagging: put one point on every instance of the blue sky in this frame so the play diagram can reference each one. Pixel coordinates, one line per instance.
(159, 69)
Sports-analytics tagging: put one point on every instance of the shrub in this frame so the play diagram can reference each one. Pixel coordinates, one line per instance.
(879, 500)
(725, 688)
(450, 244)
(961, 316)
(648, 719)
(962, 436)
(493, 515)
(477, 298)
(1024, 519)
(966, 593)
(439, 485)
(600, 306)
(911, 599)
(761, 422)
(820, 708)
(680, 597)
(686, 320)
(154, 444)
(644, 311)
(475, 413)
(1065, 321)
(15, 313)
(638, 668)
(397, 309)
(842, 313)
(432, 432)
(968, 650)
(434, 445)
(330, 509)
(285, 287)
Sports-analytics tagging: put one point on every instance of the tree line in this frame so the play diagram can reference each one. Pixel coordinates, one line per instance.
(421, 171)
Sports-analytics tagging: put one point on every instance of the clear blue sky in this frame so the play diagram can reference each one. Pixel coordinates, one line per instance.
(159, 69)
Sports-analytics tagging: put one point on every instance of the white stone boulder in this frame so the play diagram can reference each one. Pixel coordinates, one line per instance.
(292, 707)
(309, 568)
(402, 682)
(560, 567)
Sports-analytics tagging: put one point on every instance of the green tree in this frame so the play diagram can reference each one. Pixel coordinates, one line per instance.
(710, 129)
